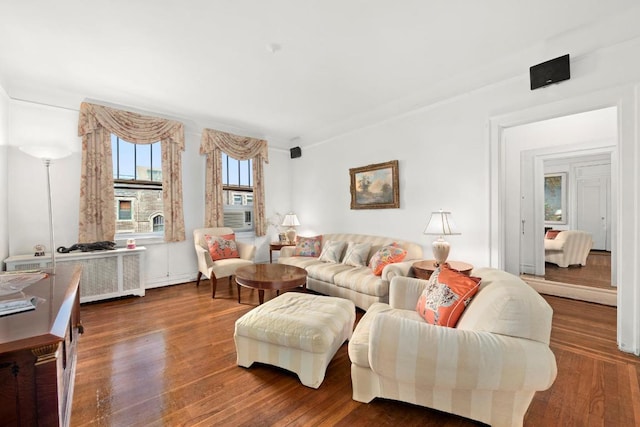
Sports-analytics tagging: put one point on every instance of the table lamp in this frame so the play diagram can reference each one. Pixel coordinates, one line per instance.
(291, 221)
(440, 224)
(47, 154)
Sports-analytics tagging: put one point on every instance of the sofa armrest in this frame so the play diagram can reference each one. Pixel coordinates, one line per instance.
(287, 251)
(405, 291)
(204, 259)
(553, 244)
(411, 351)
(396, 269)
(246, 251)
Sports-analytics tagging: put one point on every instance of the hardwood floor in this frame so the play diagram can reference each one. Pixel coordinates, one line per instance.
(597, 272)
(168, 359)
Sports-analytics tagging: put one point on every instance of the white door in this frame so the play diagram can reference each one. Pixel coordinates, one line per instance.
(592, 202)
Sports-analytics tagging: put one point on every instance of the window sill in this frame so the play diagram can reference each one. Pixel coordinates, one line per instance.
(141, 239)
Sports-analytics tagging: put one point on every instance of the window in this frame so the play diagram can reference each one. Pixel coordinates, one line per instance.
(124, 210)
(237, 188)
(137, 182)
(158, 223)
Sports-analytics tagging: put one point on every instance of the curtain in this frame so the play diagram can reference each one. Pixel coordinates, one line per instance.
(213, 144)
(95, 126)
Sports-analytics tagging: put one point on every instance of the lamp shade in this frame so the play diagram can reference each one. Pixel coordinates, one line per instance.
(290, 220)
(46, 152)
(441, 224)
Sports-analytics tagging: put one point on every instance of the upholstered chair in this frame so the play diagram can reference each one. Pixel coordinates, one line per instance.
(487, 368)
(569, 247)
(214, 270)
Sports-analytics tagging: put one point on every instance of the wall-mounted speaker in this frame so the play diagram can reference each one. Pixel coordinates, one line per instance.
(296, 152)
(552, 71)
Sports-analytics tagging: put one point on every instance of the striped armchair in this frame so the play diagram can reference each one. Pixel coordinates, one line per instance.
(487, 368)
(569, 247)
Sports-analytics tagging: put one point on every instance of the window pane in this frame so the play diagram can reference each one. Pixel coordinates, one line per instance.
(143, 162)
(127, 160)
(233, 172)
(156, 161)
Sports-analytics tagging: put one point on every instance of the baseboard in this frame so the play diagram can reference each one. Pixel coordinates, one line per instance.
(567, 290)
(168, 281)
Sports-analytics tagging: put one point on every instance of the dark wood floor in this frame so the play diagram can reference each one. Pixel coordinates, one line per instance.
(597, 272)
(168, 359)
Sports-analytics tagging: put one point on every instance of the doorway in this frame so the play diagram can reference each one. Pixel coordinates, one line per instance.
(579, 148)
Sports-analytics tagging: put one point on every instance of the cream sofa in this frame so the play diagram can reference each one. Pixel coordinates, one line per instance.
(568, 248)
(487, 368)
(357, 284)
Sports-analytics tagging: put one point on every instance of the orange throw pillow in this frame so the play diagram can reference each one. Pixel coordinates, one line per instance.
(551, 234)
(446, 296)
(222, 247)
(386, 255)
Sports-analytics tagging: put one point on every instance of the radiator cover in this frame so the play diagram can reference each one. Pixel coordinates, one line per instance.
(105, 274)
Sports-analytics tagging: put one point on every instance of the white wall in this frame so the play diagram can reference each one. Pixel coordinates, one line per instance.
(448, 160)
(166, 263)
(4, 175)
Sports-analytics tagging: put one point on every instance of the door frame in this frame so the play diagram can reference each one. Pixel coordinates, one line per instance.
(625, 239)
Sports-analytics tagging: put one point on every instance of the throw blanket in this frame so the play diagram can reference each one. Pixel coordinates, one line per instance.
(88, 247)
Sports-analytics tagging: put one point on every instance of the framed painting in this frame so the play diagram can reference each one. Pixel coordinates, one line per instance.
(555, 198)
(375, 186)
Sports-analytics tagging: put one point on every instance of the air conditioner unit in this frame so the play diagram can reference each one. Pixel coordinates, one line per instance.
(239, 218)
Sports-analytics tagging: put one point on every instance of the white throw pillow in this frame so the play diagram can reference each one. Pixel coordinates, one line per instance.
(332, 251)
(357, 254)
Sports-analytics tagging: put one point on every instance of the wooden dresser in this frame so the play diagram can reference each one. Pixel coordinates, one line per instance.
(38, 353)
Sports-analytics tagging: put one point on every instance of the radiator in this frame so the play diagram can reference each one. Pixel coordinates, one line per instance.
(105, 274)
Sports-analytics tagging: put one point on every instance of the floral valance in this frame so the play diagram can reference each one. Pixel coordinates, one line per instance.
(238, 147)
(131, 127)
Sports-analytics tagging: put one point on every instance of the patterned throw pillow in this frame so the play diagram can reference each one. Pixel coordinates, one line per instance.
(308, 246)
(222, 247)
(446, 296)
(332, 251)
(386, 255)
(357, 254)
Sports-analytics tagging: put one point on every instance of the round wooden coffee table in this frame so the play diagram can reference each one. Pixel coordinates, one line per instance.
(270, 276)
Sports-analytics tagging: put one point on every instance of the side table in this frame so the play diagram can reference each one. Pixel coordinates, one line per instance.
(423, 269)
(276, 246)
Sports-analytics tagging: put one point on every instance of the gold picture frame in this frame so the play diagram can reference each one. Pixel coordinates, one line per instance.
(375, 186)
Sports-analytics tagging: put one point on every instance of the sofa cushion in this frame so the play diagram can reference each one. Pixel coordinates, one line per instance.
(362, 280)
(308, 246)
(384, 256)
(357, 254)
(332, 251)
(506, 305)
(326, 271)
(446, 296)
(359, 343)
(222, 247)
(299, 261)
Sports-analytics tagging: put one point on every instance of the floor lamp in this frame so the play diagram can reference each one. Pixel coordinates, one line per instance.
(47, 154)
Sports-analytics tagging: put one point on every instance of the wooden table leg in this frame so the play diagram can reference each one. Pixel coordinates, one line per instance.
(261, 295)
(238, 285)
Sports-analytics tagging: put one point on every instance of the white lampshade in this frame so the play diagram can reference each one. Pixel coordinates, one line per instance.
(441, 224)
(46, 152)
(290, 220)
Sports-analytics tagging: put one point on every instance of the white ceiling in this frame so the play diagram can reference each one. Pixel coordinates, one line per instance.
(336, 65)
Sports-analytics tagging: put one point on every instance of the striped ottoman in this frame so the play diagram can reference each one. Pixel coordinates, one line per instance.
(295, 331)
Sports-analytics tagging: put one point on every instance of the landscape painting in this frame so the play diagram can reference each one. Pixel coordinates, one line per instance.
(375, 186)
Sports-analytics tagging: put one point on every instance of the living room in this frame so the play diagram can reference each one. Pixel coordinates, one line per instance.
(445, 136)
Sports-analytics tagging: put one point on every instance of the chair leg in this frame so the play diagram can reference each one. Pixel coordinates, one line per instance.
(198, 279)
(214, 283)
